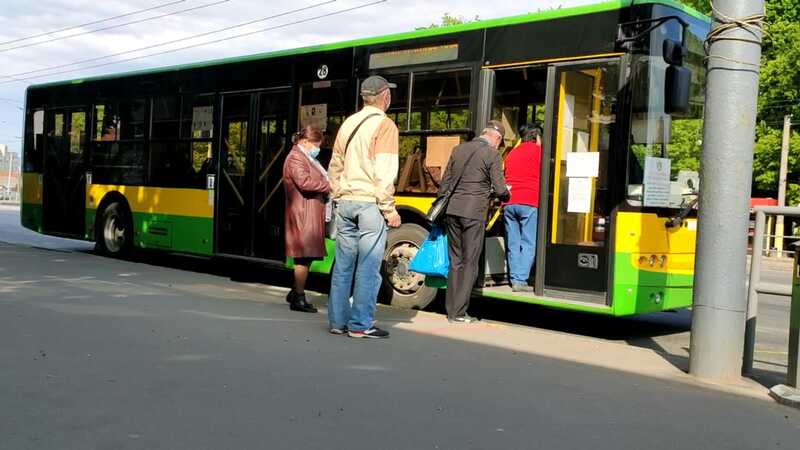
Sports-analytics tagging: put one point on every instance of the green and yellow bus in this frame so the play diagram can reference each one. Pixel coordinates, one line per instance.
(188, 158)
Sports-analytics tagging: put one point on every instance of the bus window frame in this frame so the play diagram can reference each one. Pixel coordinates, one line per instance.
(412, 71)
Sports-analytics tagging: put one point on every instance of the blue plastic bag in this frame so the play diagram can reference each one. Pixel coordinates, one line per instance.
(432, 258)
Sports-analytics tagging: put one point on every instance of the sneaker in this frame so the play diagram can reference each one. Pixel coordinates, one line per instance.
(519, 287)
(338, 331)
(372, 333)
(463, 319)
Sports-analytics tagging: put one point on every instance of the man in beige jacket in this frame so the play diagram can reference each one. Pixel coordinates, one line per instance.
(362, 174)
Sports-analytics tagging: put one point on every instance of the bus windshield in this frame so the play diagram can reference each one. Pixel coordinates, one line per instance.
(664, 156)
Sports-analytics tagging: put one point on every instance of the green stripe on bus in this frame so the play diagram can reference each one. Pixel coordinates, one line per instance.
(167, 232)
(638, 291)
(549, 302)
(324, 265)
(31, 216)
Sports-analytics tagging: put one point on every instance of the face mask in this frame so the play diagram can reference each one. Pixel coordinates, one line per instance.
(314, 152)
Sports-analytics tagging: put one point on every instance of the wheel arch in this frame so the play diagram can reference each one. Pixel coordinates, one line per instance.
(409, 214)
(109, 198)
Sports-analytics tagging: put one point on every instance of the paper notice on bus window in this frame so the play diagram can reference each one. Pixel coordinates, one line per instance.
(579, 198)
(202, 118)
(656, 182)
(315, 116)
(583, 165)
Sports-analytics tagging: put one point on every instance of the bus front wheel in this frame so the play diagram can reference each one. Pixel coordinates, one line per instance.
(114, 231)
(405, 289)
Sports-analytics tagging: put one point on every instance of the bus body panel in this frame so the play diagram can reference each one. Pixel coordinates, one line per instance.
(653, 265)
(174, 219)
(31, 206)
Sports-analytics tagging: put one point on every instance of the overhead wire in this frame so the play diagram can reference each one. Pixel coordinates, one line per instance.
(206, 43)
(95, 22)
(14, 76)
(112, 27)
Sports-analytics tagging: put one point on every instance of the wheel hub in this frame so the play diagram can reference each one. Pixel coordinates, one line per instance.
(402, 279)
(113, 235)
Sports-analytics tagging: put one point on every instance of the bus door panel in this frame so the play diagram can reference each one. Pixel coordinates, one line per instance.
(234, 197)
(64, 180)
(576, 242)
(272, 147)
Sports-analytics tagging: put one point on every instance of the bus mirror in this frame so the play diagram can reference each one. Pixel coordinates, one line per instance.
(676, 89)
(673, 52)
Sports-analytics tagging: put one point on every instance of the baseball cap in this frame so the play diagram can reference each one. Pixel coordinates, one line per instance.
(496, 125)
(375, 84)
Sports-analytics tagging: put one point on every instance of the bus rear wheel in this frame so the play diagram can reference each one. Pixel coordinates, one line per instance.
(114, 231)
(405, 289)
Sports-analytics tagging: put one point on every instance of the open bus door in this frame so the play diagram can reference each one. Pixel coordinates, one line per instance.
(574, 236)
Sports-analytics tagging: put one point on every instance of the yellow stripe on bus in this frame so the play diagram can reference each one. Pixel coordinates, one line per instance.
(32, 188)
(422, 204)
(155, 200)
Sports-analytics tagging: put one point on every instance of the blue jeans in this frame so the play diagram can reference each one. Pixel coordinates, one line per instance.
(521, 223)
(360, 243)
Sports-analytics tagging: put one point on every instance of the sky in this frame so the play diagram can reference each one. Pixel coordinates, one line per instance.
(44, 18)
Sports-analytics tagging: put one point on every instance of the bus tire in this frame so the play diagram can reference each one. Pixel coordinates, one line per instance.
(114, 231)
(402, 288)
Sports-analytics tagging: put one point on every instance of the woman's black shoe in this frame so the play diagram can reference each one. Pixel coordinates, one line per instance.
(299, 303)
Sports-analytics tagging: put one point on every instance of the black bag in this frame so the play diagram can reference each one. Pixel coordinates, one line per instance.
(438, 209)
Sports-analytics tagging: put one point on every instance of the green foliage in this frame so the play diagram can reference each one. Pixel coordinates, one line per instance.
(779, 92)
(449, 20)
(704, 6)
(684, 148)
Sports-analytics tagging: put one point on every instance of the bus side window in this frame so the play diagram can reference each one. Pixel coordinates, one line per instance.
(34, 141)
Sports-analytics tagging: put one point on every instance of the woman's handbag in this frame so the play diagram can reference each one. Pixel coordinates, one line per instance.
(438, 209)
(432, 258)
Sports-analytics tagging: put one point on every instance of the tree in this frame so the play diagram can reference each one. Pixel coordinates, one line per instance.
(779, 92)
(449, 20)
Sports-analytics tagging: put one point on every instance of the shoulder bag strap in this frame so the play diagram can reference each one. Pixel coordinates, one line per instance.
(463, 169)
(355, 130)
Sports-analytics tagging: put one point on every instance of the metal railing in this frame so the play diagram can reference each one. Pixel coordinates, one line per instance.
(756, 286)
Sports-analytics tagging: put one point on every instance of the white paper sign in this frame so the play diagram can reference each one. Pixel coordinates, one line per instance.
(314, 115)
(579, 197)
(583, 165)
(656, 181)
(202, 118)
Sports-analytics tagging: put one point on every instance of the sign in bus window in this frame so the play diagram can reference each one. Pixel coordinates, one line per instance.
(197, 117)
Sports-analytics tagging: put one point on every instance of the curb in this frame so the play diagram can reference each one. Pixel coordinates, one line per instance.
(786, 395)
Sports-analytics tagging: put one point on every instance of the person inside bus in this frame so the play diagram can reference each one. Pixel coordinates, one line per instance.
(475, 175)
(307, 209)
(520, 214)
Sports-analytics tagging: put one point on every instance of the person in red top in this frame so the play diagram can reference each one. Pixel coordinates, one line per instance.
(521, 213)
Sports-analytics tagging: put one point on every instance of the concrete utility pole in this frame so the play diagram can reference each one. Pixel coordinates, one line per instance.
(787, 132)
(726, 165)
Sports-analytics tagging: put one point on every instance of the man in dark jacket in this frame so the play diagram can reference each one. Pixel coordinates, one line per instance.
(466, 212)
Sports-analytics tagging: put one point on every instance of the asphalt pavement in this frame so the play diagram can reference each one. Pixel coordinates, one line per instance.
(110, 354)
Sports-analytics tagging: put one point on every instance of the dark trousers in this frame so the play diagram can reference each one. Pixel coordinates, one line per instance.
(464, 246)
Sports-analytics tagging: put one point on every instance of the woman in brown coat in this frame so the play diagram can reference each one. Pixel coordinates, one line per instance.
(306, 184)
